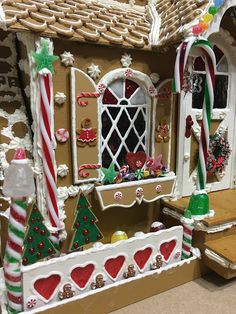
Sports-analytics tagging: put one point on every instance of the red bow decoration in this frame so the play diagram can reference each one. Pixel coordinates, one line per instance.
(188, 127)
(216, 164)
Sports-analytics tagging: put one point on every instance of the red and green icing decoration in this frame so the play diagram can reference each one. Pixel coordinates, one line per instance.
(37, 244)
(218, 154)
(85, 229)
(199, 202)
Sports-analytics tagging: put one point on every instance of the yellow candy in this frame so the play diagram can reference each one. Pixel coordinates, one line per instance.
(207, 18)
(146, 173)
(118, 236)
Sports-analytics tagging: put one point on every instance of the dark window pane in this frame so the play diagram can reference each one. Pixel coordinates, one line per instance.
(106, 124)
(109, 98)
(221, 91)
(140, 124)
(123, 123)
(218, 53)
(106, 159)
(130, 88)
(132, 140)
(199, 64)
(197, 98)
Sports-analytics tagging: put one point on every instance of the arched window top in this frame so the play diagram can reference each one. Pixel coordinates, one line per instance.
(221, 61)
(221, 81)
(124, 92)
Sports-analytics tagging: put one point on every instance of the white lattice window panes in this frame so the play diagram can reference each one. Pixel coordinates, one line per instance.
(125, 121)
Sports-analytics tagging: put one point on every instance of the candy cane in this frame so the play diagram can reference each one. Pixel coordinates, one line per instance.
(188, 226)
(210, 64)
(87, 166)
(48, 156)
(13, 255)
(86, 95)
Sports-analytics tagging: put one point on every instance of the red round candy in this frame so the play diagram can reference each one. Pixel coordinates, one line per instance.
(38, 219)
(197, 30)
(25, 261)
(30, 239)
(41, 245)
(32, 220)
(85, 218)
(31, 250)
(39, 254)
(86, 240)
(50, 250)
(36, 229)
(92, 221)
(77, 225)
(43, 232)
(85, 232)
(76, 245)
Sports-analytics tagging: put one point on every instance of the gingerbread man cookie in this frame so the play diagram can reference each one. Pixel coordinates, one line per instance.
(86, 135)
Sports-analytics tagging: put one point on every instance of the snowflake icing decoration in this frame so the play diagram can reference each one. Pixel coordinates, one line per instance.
(94, 71)
(126, 60)
(67, 58)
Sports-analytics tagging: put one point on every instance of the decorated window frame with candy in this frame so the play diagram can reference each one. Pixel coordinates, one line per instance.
(125, 115)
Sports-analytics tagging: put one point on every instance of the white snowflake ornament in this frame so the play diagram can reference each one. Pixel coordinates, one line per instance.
(60, 98)
(67, 58)
(155, 77)
(126, 60)
(94, 71)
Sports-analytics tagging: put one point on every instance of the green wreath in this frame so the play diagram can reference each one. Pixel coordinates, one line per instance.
(218, 154)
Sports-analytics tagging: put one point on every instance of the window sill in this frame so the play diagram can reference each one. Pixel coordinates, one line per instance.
(129, 193)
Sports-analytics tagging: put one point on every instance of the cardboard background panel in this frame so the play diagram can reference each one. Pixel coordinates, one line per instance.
(99, 256)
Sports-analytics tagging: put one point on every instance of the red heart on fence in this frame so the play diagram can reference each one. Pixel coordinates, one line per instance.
(114, 265)
(167, 248)
(81, 275)
(46, 286)
(142, 256)
(136, 160)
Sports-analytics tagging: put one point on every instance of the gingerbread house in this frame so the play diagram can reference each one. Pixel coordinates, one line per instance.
(87, 89)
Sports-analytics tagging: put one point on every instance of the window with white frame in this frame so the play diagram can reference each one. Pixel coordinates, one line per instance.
(125, 119)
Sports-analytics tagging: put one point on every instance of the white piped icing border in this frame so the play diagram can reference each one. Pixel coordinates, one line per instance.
(198, 225)
(219, 259)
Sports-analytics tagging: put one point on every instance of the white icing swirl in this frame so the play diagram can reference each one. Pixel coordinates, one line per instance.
(67, 58)
(62, 170)
(73, 190)
(60, 98)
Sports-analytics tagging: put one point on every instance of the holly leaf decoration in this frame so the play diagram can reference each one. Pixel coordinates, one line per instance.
(109, 174)
(43, 59)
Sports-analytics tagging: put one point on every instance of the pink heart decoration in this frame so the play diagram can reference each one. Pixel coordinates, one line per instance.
(81, 275)
(142, 256)
(136, 160)
(167, 248)
(46, 286)
(114, 265)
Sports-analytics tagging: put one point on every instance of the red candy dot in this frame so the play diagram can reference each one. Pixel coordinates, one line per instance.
(36, 229)
(85, 232)
(25, 261)
(86, 240)
(92, 221)
(39, 254)
(41, 245)
(31, 250)
(32, 220)
(85, 218)
(30, 239)
(77, 225)
(50, 250)
(38, 219)
(76, 245)
(43, 232)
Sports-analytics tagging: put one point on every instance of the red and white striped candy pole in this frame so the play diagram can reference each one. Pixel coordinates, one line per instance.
(44, 67)
(188, 226)
(199, 203)
(48, 155)
(18, 184)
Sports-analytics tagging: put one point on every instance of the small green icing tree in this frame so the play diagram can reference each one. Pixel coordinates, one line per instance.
(37, 244)
(85, 229)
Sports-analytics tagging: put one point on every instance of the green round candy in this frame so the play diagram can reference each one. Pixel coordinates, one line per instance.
(213, 10)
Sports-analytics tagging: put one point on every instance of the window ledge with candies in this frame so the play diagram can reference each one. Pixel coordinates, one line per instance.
(141, 179)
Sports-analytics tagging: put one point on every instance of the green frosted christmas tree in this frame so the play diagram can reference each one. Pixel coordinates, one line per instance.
(85, 229)
(37, 244)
